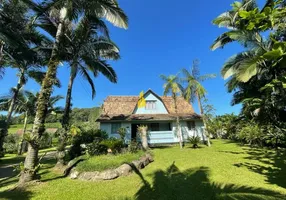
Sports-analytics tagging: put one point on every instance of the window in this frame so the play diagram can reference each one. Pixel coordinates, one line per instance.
(115, 127)
(154, 127)
(150, 105)
(159, 127)
(191, 125)
(165, 127)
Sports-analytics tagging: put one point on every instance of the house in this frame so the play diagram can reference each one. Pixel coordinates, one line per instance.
(158, 114)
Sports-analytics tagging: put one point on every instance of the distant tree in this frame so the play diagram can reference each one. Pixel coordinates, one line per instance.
(194, 88)
(26, 103)
(172, 86)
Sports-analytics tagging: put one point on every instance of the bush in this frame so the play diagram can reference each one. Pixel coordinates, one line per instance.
(122, 132)
(251, 134)
(114, 144)
(195, 140)
(134, 146)
(96, 148)
(46, 140)
(85, 138)
(11, 143)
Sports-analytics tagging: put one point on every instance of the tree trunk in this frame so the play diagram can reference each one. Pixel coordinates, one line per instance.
(4, 131)
(31, 160)
(202, 114)
(20, 147)
(65, 123)
(179, 131)
(200, 104)
(144, 138)
(31, 163)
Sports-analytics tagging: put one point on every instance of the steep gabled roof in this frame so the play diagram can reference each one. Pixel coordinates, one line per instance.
(125, 105)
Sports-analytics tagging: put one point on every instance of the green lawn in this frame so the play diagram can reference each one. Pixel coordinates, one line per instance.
(223, 171)
(100, 163)
(15, 127)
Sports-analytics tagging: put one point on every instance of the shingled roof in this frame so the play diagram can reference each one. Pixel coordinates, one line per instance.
(122, 108)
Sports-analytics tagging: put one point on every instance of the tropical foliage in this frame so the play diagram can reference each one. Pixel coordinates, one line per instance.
(256, 75)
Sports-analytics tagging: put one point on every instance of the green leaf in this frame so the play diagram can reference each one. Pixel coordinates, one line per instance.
(247, 71)
(244, 14)
(273, 55)
(267, 10)
(230, 72)
(250, 26)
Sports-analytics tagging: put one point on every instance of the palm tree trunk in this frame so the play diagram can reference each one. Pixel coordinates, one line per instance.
(65, 123)
(20, 148)
(202, 114)
(31, 161)
(179, 131)
(200, 104)
(4, 131)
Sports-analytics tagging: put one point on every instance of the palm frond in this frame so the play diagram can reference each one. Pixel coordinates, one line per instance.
(86, 76)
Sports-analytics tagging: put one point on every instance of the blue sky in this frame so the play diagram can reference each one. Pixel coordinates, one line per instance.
(163, 37)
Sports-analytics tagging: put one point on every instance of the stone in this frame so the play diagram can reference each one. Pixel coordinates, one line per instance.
(138, 164)
(124, 170)
(74, 174)
(109, 174)
(150, 158)
(88, 175)
(144, 160)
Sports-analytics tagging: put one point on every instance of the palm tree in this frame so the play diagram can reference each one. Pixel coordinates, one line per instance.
(68, 11)
(21, 48)
(194, 88)
(25, 103)
(172, 86)
(86, 51)
(229, 20)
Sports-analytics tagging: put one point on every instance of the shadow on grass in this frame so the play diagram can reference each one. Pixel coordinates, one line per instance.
(16, 194)
(272, 165)
(11, 160)
(233, 152)
(194, 184)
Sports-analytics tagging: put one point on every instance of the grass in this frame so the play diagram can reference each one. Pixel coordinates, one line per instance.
(100, 163)
(15, 127)
(223, 171)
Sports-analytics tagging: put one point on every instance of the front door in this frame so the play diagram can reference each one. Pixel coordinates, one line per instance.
(134, 131)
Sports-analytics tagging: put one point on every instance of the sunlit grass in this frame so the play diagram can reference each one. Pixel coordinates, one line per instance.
(223, 171)
(100, 163)
(15, 127)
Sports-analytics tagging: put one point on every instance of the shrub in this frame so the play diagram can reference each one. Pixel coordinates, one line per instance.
(85, 137)
(122, 132)
(195, 140)
(46, 140)
(114, 144)
(96, 148)
(11, 143)
(134, 146)
(251, 134)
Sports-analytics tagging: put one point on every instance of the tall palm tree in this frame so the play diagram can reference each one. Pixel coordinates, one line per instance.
(194, 88)
(172, 86)
(21, 48)
(86, 53)
(25, 103)
(229, 20)
(69, 10)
